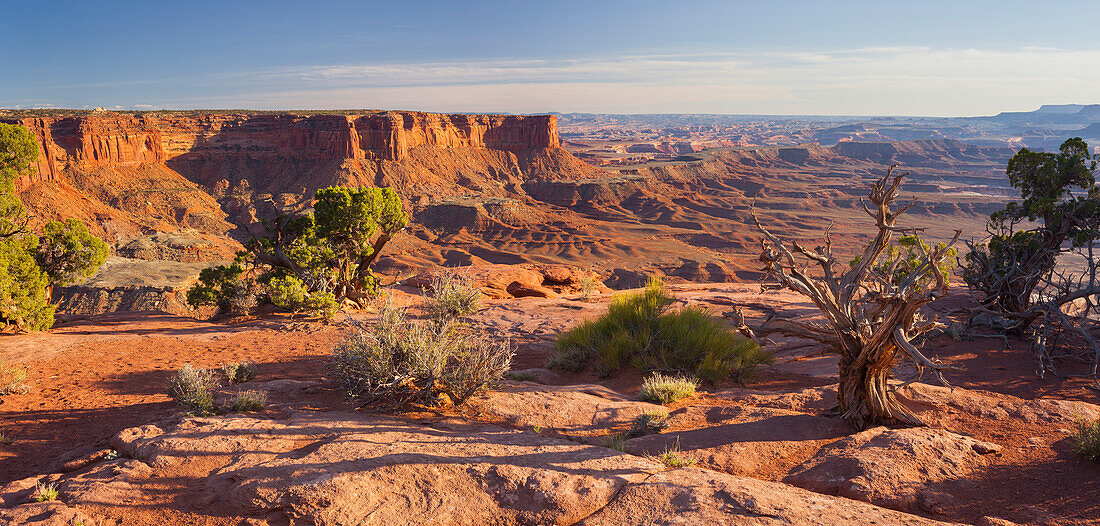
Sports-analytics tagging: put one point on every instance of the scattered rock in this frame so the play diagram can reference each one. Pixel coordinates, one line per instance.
(994, 521)
(698, 496)
(897, 468)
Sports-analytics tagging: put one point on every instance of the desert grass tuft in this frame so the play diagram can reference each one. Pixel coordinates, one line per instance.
(648, 423)
(1086, 439)
(193, 389)
(665, 389)
(519, 377)
(672, 458)
(616, 441)
(640, 331)
(45, 492)
(12, 378)
(239, 373)
(248, 401)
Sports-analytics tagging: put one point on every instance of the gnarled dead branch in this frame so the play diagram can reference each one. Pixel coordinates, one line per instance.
(872, 309)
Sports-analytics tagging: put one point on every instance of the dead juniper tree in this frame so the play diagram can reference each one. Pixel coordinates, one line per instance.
(1016, 275)
(872, 307)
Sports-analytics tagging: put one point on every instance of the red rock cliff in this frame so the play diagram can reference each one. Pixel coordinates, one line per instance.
(91, 141)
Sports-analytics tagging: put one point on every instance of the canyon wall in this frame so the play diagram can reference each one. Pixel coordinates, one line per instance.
(90, 141)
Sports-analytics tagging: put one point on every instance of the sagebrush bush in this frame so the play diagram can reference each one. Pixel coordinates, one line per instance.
(1086, 439)
(12, 378)
(193, 389)
(241, 372)
(452, 294)
(398, 360)
(640, 331)
(247, 401)
(665, 389)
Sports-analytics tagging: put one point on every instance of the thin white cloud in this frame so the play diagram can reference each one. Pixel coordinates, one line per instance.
(883, 80)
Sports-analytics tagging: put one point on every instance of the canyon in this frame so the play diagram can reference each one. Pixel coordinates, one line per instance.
(481, 189)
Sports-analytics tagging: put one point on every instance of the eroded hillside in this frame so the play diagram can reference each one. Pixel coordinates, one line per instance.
(481, 188)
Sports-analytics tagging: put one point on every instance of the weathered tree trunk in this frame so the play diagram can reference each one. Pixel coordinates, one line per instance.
(864, 396)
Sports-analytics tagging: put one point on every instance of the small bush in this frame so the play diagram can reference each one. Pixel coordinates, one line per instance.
(398, 360)
(45, 492)
(452, 294)
(662, 389)
(11, 380)
(648, 423)
(588, 282)
(1086, 439)
(193, 390)
(248, 401)
(640, 331)
(239, 373)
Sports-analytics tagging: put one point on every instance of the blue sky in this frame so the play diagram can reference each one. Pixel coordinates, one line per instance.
(781, 57)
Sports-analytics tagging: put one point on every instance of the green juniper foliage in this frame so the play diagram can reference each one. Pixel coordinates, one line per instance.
(29, 265)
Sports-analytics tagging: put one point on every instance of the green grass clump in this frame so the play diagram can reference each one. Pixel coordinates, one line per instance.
(1086, 439)
(193, 390)
(45, 492)
(11, 380)
(248, 401)
(640, 331)
(239, 373)
(616, 442)
(665, 389)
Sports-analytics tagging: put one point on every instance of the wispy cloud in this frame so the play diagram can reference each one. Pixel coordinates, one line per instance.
(863, 81)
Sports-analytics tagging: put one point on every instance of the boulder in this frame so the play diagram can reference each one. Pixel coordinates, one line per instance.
(698, 496)
(743, 440)
(519, 289)
(49, 513)
(898, 468)
(350, 469)
(580, 411)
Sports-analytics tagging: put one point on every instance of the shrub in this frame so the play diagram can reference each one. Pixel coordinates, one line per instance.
(45, 492)
(1086, 439)
(11, 380)
(640, 331)
(238, 373)
(398, 360)
(248, 401)
(193, 390)
(649, 423)
(662, 389)
(452, 294)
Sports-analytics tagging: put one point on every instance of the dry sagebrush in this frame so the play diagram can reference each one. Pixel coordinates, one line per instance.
(398, 360)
